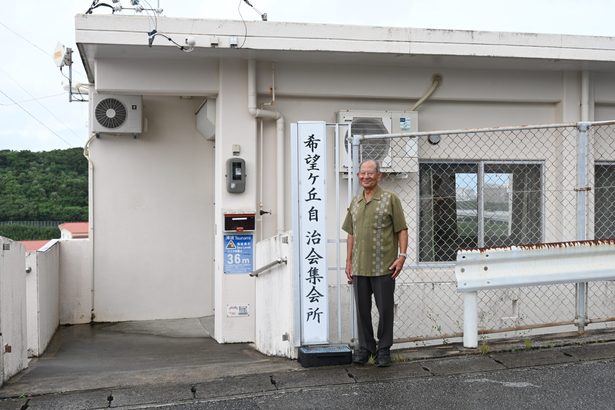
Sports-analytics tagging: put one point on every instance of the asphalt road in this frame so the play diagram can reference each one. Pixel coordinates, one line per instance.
(98, 367)
(589, 385)
(575, 385)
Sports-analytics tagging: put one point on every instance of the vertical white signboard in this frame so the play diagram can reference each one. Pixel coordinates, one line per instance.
(309, 226)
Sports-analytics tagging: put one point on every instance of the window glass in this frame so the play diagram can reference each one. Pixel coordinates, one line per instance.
(451, 202)
(512, 196)
(448, 204)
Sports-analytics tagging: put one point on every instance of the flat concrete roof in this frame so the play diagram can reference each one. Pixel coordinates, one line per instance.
(117, 36)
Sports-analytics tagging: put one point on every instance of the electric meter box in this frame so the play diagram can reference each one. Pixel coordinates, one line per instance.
(235, 175)
(239, 221)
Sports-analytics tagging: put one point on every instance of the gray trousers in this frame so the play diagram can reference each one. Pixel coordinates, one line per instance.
(383, 289)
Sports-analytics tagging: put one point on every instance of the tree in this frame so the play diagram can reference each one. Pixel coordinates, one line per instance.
(43, 186)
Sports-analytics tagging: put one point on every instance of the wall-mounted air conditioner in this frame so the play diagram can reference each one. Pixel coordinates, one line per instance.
(396, 155)
(116, 114)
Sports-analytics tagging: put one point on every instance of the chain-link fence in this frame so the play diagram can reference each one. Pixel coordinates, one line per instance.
(490, 188)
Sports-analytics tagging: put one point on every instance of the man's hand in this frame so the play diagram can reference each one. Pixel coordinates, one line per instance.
(397, 266)
(349, 271)
(349, 244)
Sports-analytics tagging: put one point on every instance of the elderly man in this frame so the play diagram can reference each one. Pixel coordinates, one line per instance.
(376, 252)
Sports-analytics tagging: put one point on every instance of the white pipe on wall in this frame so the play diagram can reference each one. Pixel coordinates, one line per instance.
(584, 95)
(273, 115)
(280, 174)
(91, 198)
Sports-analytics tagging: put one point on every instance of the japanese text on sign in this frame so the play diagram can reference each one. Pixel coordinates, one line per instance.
(238, 253)
(311, 232)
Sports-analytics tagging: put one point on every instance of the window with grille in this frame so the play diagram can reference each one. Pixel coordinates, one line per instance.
(478, 204)
(604, 206)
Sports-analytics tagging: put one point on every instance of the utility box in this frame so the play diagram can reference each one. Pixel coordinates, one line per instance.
(206, 119)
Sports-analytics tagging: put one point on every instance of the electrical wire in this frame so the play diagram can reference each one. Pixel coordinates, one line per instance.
(35, 118)
(24, 39)
(245, 26)
(153, 14)
(154, 33)
(39, 103)
(95, 4)
(31, 43)
(34, 99)
(81, 98)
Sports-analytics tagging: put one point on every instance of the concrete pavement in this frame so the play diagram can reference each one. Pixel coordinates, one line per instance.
(176, 364)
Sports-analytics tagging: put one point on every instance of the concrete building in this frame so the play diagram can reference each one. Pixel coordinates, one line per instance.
(225, 90)
(194, 181)
(74, 230)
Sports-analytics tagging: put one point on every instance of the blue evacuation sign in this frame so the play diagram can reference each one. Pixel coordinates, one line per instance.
(238, 253)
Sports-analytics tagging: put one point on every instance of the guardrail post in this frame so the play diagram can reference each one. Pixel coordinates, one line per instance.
(582, 165)
(470, 319)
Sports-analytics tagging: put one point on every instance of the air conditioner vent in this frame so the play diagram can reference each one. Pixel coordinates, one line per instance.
(395, 154)
(116, 114)
(376, 148)
(110, 113)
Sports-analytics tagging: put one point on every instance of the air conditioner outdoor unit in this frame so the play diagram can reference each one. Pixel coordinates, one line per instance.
(396, 155)
(116, 114)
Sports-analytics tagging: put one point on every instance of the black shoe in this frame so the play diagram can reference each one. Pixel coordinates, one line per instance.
(361, 357)
(383, 359)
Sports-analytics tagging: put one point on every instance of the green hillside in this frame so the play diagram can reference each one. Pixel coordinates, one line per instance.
(41, 188)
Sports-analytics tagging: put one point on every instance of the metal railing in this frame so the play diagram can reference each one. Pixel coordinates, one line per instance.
(268, 266)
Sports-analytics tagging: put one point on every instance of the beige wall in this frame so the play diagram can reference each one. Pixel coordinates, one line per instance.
(75, 281)
(153, 196)
(234, 126)
(152, 202)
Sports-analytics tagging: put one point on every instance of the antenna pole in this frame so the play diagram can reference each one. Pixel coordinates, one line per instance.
(68, 60)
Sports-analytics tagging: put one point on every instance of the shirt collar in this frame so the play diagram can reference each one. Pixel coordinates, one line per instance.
(377, 194)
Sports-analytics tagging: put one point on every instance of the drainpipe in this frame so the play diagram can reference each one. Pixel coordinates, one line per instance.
(585, 95)
(86, 154)
(272, 115)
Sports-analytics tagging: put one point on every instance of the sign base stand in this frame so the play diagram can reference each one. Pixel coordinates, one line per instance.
(324, 355)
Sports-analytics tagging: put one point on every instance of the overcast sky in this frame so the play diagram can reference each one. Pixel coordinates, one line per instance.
(35, 113)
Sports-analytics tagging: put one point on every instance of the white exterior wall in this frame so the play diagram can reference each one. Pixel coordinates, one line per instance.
(152, 218)
(465, 102)
(152, 198)
(75, 281)
(43, 296)
(13, 328)
(234, 126)
(602, 86)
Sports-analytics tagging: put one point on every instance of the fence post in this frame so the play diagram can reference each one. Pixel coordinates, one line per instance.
(582, 165)
(356, 146)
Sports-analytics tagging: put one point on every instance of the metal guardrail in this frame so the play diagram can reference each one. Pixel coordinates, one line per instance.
(538, 264)
(528, 265)
(268, 266)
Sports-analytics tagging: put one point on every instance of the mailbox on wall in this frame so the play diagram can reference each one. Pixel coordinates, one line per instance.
(239, 221)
